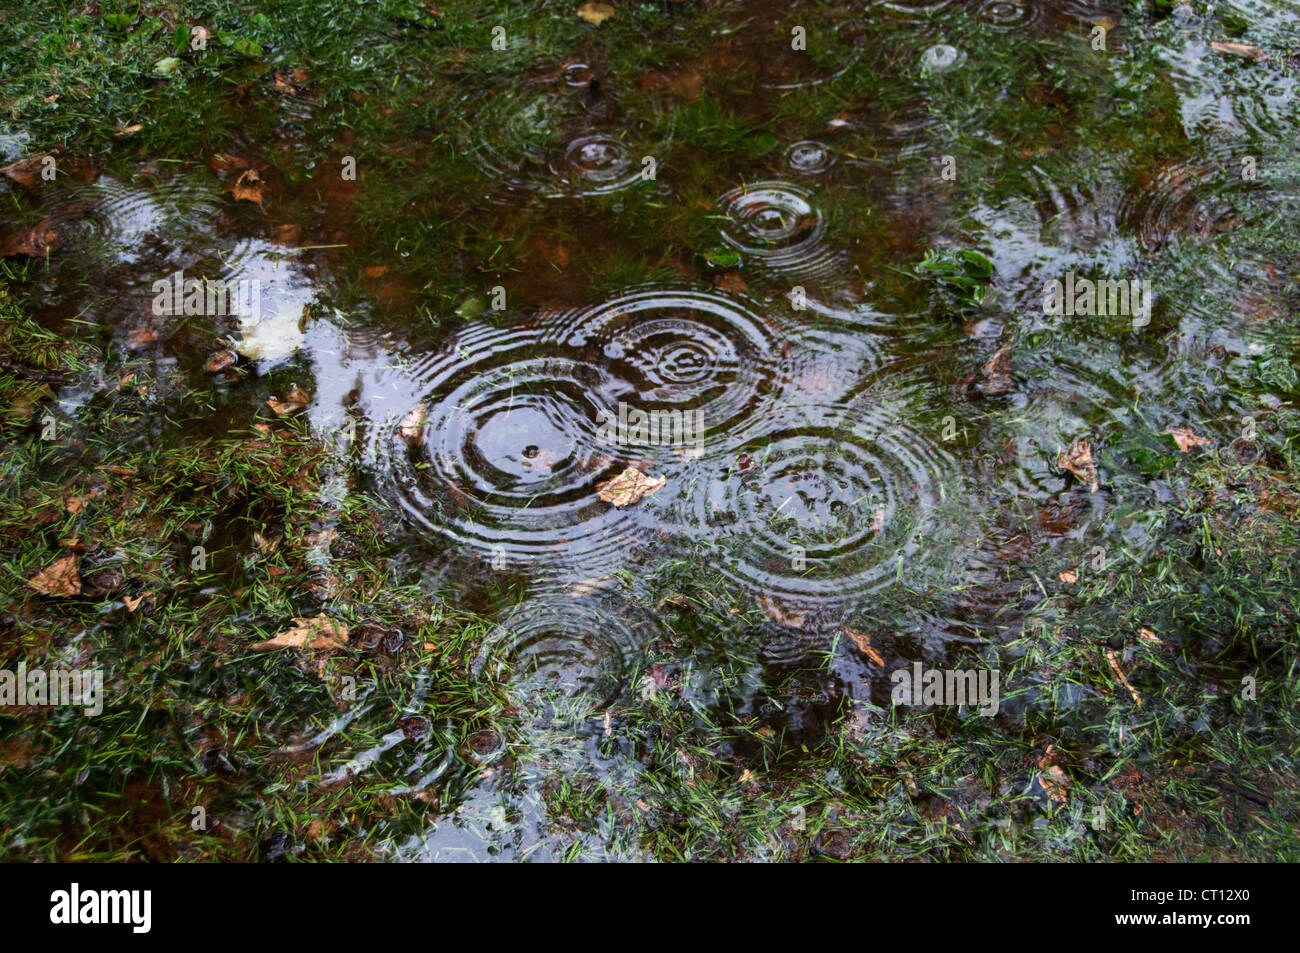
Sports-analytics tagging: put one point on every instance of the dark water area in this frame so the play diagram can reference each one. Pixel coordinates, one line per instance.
(698, 259)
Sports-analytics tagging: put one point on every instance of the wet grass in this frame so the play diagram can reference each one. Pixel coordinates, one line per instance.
(190, 548)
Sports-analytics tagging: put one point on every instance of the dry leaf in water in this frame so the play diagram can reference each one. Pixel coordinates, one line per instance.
(730, 281)
(1079, 462)
(997, 373)
(596, 13)
(139, 337)
(1186, 439)
(779, 614)
(1149, 637)
(317, 633)
(26, 172)
(863, 642)
(219, 361)
(59, 578)
(33, 242)
(295, 399)
(1054, 782)
(1113, 657)
(587, 586)
(288, 234)
(133, 604)
(686, 86)
(76, 504)
(249, 187)
(411, 429)
(1053, 779)
(628, 487)
(1248, 50)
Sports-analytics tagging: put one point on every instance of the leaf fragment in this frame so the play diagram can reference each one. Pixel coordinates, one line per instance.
(1246, 50)
(1113, 658)
(1079, 462)
(316, 633)
(596, 13)
(249, 187)
(628, 487)
(1186, 439)
(60, 578)
(863, 642)
(295, 399)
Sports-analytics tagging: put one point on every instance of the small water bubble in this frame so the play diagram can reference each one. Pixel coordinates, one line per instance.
(940, 58)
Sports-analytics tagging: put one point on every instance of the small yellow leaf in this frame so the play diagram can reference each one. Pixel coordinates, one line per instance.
(596, 13)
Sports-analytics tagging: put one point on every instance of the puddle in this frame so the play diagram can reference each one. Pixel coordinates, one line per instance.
(815, 409)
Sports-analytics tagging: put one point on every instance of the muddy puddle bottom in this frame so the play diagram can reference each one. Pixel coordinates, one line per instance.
(843, 469)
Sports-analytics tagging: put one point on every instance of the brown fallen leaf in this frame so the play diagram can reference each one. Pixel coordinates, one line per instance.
(1113, 657)
(596, 13)
(411, 429)
(33, 242)
(997, 373)
(779, 614)
(730, 281)
(119, 471)
(587, 586)
(1068, 576)
(863, 642)
(76, 504)
(317, 633)
(26, 172)
(133, 604)
(1079, 462)
(1053, 779)
(219, 361)
(249, 187)
(1150, 638)
(1186, 439)
(686, 86)
(1054, 782)
(294, 400)
(139, 337)
(59, 578)
(123, 130)
(628, 487)
(1247, 50)
(288, 234)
